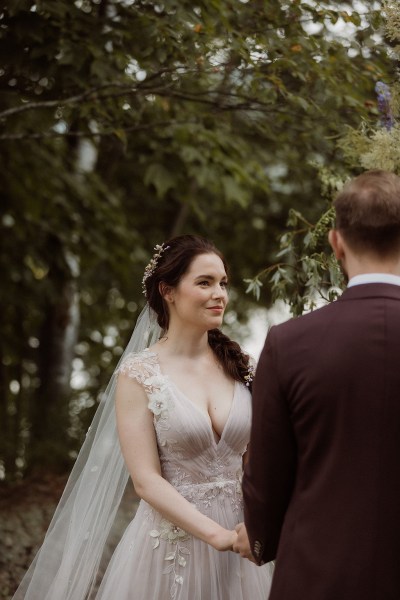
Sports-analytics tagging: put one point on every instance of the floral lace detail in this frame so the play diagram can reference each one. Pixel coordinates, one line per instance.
(140, 366)
(221, 483)
(179, 476)
(160, 404)
(144, 367)
(207, 493)
(221, 480)
(172, 534)
(158, 396)
(168, 532)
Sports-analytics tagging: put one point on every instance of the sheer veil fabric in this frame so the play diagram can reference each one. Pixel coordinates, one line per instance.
(67, 564)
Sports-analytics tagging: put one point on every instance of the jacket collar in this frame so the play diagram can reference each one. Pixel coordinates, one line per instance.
(371, 290)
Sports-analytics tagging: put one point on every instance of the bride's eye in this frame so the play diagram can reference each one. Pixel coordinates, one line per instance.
(203, 282)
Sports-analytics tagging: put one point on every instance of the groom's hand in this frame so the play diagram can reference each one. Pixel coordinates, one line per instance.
(242, 545)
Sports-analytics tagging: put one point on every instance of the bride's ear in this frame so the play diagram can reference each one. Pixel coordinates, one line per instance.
(166, 292)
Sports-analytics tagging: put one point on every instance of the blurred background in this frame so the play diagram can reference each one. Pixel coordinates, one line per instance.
(122, 123)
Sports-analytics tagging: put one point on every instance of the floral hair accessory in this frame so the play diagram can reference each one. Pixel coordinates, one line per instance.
(250, 375)
(152, 266)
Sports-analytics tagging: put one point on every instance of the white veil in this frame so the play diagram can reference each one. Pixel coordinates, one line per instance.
(67, 564)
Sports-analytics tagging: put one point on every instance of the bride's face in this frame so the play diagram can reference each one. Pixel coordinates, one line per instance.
(201, 295)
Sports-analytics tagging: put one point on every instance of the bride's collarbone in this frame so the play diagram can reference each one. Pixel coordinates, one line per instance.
(207, 386)
(204, 387)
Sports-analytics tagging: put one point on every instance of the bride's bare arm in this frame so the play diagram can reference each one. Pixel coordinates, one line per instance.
(139, 448)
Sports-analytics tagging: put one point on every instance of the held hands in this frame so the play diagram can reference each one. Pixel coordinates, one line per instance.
(242, 545)
(237, 541)
(224, 540)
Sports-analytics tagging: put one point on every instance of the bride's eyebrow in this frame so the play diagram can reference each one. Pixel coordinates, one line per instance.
(211, 277)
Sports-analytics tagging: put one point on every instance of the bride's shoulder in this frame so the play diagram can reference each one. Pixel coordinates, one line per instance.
(139, 365)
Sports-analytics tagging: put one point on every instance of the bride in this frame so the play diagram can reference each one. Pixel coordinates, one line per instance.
(182, 413)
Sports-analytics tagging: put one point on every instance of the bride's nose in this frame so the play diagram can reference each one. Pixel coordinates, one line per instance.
(218, 291)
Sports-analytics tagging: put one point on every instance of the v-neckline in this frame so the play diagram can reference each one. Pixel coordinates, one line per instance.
(207, 417)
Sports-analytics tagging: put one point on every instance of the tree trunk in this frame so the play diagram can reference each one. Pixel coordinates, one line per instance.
(7, 463)
(50, 418)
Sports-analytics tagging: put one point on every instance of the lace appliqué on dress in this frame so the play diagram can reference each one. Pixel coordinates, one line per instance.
(205, 494)
(176, 557)
(219, 482)
(140, 366)
(145, 369)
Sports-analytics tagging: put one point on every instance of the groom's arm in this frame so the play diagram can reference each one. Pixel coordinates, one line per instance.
(270, 467)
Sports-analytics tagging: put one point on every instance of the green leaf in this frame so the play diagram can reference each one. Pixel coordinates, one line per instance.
(158, 176)
(233, 192)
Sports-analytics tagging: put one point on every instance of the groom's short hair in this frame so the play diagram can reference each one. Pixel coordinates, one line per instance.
(368, 212)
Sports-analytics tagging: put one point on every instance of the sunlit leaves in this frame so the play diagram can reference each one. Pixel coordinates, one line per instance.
(310, 274)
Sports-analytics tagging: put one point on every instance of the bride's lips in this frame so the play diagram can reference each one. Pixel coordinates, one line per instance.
(218, 309)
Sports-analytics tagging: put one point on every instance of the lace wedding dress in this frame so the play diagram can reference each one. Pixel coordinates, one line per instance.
(156, 560)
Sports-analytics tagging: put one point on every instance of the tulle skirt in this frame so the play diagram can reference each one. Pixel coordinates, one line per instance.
(158, 561)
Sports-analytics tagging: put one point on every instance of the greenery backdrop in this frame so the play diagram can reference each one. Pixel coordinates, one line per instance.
(123, 122)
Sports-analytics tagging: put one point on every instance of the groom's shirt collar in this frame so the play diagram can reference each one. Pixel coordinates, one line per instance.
(374, 278)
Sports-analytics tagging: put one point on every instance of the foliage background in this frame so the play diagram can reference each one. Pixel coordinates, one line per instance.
(123, 122)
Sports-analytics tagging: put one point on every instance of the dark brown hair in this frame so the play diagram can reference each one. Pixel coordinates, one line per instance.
(173, 263)
(368, 212)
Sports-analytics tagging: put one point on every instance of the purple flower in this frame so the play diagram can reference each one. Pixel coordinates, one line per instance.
(384, 97)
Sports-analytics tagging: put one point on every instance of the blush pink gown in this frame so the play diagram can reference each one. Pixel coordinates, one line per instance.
(156, 560)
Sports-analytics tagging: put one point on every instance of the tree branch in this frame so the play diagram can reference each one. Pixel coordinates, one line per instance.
(90, 134)
(130, 88)
(77, 98)
(50, 103)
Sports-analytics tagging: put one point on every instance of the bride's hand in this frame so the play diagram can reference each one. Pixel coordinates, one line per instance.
(224, 540)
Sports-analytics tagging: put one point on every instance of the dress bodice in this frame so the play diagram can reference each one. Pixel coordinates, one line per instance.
(191, 459)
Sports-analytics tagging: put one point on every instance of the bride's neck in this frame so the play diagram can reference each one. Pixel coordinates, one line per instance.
(186, 342)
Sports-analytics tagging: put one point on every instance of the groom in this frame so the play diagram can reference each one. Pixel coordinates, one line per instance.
(322, 482)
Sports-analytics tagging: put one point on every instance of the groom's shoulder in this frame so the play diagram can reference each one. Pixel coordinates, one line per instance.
(309, 320)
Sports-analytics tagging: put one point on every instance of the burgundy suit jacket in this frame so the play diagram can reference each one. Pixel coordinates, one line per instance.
(322, 481)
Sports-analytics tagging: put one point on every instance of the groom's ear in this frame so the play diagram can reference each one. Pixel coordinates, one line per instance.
(336, 241)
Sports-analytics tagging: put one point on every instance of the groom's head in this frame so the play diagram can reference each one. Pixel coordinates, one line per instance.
(368, 212)
(368, 216)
